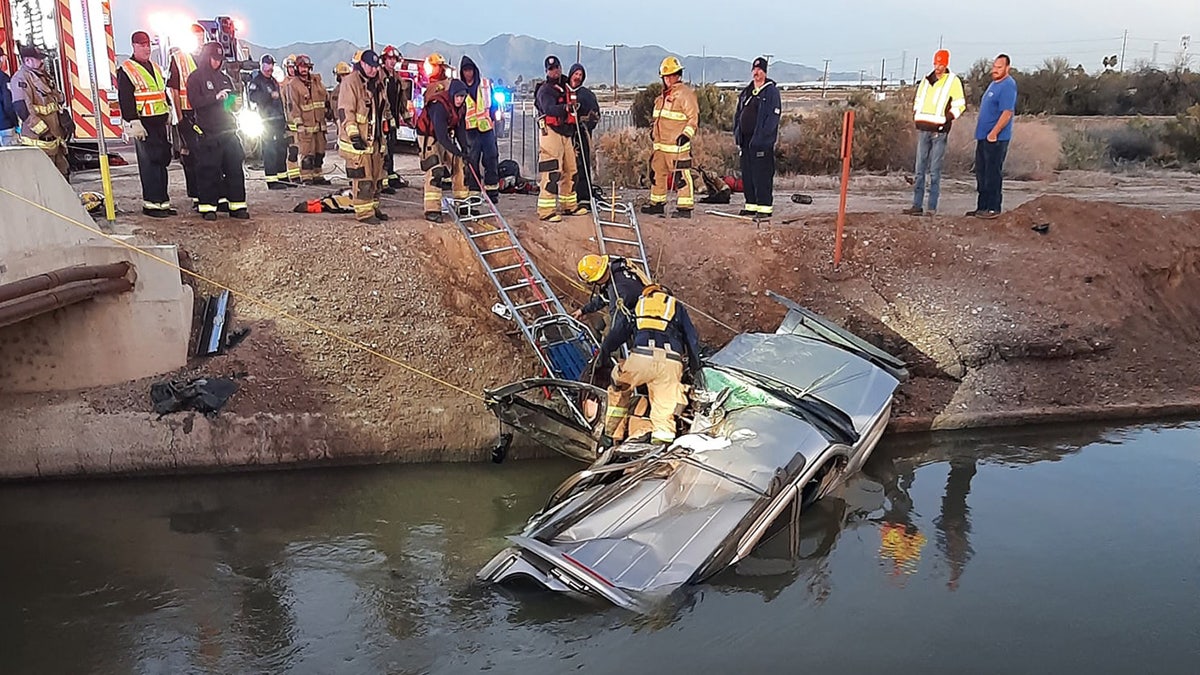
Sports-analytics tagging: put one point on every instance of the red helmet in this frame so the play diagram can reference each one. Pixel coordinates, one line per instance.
(390, 52)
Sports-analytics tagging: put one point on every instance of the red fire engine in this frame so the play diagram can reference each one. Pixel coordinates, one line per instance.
(68, 60)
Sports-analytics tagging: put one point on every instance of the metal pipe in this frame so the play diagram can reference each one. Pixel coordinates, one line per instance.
(66, 275)
(36, 305)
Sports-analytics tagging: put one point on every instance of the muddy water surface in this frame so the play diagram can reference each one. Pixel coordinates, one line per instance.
(1067, 550)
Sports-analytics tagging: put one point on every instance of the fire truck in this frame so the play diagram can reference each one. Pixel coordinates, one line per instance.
(66, 58)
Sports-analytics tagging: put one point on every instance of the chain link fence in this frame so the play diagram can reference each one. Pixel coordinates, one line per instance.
(521, 138)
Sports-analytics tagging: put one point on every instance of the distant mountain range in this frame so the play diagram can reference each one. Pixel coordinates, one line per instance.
(508, 57)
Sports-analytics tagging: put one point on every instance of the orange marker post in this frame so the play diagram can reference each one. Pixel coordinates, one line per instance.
(847, 148)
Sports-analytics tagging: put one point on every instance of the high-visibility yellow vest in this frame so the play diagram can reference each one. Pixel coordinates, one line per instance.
(479, 108)
(185, 65)
(933, 100)
(654, 310)
(149, 88)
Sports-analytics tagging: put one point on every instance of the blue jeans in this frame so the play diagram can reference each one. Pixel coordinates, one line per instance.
(989, 174)
(9, 137)
(931, 149)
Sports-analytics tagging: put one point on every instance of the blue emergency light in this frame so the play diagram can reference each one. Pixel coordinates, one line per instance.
(500, 97)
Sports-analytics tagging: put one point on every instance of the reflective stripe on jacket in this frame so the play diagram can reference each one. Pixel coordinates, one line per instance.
(479, 108)
(306, 104)
(676, 113)
(149, 88)
(185, 65)
(939, 102)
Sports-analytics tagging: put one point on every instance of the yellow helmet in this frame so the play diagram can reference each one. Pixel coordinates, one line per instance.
(670, 66)
(357, 56)
(342, 68)
(289, 61)
(435, 59)
(592, 267)
(92, 201)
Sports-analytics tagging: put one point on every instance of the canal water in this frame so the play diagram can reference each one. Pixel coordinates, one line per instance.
(1054, 550)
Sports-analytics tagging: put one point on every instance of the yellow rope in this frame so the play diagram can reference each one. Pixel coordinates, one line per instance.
(247, 297)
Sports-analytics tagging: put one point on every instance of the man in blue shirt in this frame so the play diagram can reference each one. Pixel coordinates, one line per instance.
(8, 113)
(993, 131)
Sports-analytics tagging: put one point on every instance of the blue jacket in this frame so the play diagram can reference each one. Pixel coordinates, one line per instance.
(766, 130)
(8, 114)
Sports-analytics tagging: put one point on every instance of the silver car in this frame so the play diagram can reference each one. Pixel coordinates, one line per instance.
(781, 419)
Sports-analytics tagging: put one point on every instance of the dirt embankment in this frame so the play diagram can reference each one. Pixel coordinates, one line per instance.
(1101, 312)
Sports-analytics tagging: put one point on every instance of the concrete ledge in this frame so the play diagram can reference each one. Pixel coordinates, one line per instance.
(1055, 415)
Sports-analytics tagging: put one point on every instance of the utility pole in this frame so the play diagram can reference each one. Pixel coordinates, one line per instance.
(703, 63)
(578, 52)
(862, 76)
(903, 60)
(940, 41)
(916, 64)
(1154, 56)
(825, 79)
(1124, 39)
(882, 67)
(370, 5)
(614, 51)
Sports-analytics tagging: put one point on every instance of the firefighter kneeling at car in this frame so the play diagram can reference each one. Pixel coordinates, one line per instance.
(442, 126)
(664, 339)
(363, 115)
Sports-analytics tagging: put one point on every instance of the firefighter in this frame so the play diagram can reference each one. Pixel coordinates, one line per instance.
(664, 339)
(219, 158)
(557, 110)
(39, 102)
(622, 284)
(142, 94)
(263, 92)
(676, 115)
(342, 69)
(484, 155)
(285, 90)
(307, 112)
(362, 114)
(435, 70)
(398, 103)
(442, 132)
(587, 119)
(182, 66)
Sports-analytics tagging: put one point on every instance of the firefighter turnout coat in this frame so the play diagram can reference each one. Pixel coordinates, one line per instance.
(362, 111)
(306, 102)
(676, 114)
(44, 101)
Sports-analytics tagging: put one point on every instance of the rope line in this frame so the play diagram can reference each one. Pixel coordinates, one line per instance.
(247, 297)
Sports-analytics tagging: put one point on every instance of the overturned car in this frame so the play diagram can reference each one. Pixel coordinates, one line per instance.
(778, 420)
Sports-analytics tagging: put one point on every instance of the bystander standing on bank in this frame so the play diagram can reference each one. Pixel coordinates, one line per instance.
(8, 114)
(755, 130)
(993, 131)
(939, 101)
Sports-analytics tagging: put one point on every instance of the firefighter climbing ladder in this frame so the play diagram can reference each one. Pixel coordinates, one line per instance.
(563, 345)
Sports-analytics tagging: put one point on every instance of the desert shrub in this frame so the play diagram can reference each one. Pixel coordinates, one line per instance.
(1136, 141)
(624, 155)
(715, 151)
(642, 108)
(1182, 135)
(1035, 151)
(883, 138)
(1082, 150)
(716, 106)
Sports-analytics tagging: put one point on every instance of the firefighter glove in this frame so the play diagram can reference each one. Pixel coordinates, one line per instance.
(136, 130)
(357, 142)
(682, 140)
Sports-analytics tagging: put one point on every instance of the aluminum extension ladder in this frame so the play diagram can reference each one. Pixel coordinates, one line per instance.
(563, 345)
(617, 232)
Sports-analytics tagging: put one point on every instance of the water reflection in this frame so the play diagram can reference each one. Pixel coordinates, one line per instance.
(372, 570)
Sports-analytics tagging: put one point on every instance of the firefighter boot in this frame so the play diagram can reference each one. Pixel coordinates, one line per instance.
(654, 209)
